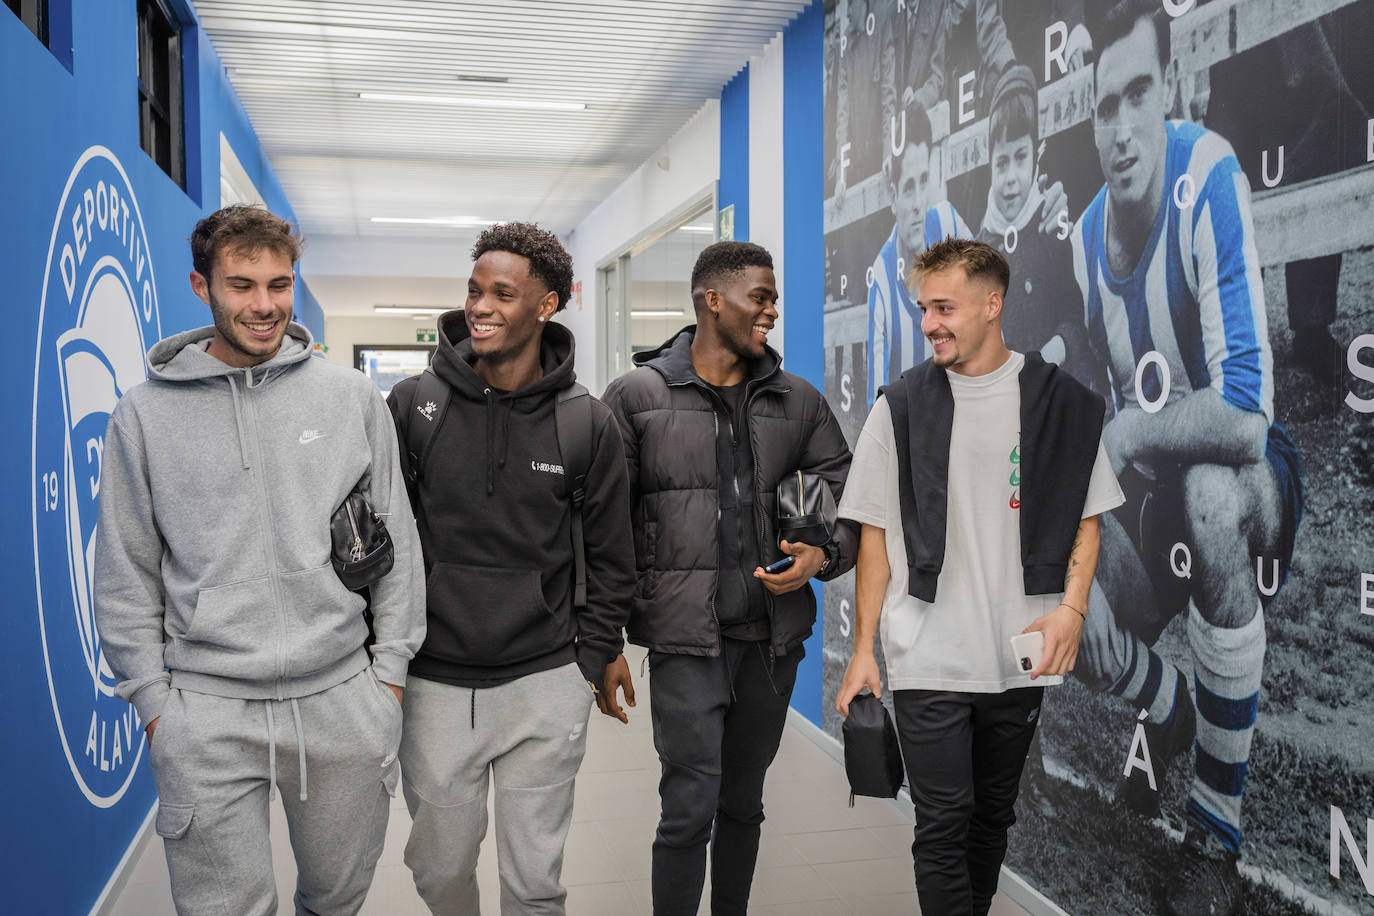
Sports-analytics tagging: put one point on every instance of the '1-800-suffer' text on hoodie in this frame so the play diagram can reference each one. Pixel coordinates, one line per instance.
(495, 521)
(212, 558)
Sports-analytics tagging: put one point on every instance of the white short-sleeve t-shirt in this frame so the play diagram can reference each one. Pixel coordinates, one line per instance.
(961, 641)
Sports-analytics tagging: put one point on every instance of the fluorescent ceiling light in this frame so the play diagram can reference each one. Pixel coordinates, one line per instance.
(464, 101)
(656, 313)
(696, 229)
(277, 27)
(419, 311)
(456, 221)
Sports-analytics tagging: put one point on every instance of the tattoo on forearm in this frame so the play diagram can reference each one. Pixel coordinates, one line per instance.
(1073, 558)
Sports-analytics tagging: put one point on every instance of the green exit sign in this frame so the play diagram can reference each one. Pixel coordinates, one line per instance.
(426, 335)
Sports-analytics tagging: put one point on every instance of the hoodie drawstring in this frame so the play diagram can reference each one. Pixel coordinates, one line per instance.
(491, 437)
(496, 438)
(503, 438)
(272, 748)
(474, 707)
(300, 740)
(271, 754)
(238, 409)
(238, 420)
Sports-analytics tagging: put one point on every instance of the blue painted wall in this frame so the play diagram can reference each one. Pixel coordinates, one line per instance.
(90, 282)
(733, 187)
(803, 242)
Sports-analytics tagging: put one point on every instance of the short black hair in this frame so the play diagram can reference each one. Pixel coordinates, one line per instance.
(550, 262)
(1110, 22)
(245, 229)
(918, 131)
(715, 261)
(1015, 107)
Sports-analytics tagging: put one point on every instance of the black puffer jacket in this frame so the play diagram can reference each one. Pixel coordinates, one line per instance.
(668, 417)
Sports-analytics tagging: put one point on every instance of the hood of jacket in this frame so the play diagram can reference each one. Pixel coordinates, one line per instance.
(455, 362)
(673, 360)
(183, 357)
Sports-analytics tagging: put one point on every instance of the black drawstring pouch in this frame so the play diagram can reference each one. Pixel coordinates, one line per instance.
(872, 756)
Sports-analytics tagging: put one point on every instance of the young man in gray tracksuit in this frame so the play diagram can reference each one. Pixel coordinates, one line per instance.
(218, 608)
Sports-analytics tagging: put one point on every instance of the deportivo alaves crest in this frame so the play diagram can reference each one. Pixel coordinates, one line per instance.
(98, 315)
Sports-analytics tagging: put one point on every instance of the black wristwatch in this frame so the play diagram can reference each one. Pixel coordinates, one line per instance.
(832, 556)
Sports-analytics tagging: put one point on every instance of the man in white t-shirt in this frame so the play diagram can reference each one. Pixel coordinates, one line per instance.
(978, 479)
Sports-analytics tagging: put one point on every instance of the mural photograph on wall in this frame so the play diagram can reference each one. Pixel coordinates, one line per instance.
(1183, 192)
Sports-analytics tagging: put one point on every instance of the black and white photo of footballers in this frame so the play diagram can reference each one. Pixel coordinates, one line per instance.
(1181, 190)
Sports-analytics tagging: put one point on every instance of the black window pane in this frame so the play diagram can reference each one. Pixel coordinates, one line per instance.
(34, 15)
(159, 85)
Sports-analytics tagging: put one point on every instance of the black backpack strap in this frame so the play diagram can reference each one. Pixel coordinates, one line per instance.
(432, 395)
(573, 424)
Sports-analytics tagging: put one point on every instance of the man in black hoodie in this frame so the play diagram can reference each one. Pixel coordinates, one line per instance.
(712, 425)
(506, 676)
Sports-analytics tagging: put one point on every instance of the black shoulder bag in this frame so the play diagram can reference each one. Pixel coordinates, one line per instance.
(361, 549)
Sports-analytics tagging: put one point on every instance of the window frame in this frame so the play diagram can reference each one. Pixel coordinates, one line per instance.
(34, 15)
(614, 278)
(161, 106)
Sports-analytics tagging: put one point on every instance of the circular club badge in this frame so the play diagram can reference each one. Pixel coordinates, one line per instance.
(98, 316)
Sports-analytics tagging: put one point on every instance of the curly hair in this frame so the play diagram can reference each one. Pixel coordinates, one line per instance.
(979, 260)
(726, 258)
(246, 229)
(550, 262)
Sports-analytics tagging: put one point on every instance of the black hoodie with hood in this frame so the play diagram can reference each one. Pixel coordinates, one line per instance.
(495, 525)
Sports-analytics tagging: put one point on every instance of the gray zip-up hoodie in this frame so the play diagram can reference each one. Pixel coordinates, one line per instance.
(212, 556)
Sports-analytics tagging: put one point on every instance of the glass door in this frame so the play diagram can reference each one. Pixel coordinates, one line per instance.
(646, 292)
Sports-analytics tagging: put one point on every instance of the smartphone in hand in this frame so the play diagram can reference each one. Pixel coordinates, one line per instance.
(1028, 648)
(785, 563)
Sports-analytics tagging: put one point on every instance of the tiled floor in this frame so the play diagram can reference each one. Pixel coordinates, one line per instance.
(819, 857)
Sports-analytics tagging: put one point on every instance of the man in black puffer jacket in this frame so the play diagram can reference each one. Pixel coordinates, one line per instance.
(712, 425)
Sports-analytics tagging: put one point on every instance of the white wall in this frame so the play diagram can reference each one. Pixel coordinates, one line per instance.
(645, 200)
(341, 333)
(375, 255)
(765, 164)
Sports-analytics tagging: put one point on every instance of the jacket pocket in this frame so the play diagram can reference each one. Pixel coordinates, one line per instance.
(489, 616)
(233, 632)
(324, 620)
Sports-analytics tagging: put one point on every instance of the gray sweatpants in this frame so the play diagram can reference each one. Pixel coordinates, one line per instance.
(213, 759)
(530, 736)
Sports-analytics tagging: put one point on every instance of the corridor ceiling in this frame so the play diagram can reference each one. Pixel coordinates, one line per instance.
(309, 73)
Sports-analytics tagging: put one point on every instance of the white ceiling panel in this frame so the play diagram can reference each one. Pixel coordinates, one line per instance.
(641, 69)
